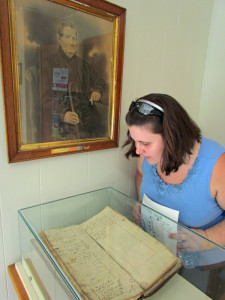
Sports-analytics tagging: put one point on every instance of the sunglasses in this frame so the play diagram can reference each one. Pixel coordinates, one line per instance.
(147, 108)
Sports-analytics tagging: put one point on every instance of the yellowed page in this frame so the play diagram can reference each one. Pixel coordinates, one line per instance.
(92, 272)
(140, 254)
(109, 257)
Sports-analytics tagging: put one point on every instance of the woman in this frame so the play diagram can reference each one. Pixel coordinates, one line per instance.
(177, 167)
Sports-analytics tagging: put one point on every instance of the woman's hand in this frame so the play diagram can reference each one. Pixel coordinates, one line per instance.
(188, 241)
(137, 215)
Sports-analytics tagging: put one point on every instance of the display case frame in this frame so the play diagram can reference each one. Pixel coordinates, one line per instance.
(80, 208)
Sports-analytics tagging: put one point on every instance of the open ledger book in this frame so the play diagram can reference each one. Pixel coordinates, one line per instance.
(109, 257)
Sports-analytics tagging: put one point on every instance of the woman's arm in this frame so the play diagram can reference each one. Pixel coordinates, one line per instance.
(137, 206)
(216, 233)
(139, 176)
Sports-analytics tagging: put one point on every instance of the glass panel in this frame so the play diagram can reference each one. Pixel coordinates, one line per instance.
(204, 269)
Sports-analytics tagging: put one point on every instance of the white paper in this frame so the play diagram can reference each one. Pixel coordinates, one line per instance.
(157, 224)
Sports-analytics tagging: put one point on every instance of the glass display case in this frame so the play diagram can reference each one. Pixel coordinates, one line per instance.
(203, 270)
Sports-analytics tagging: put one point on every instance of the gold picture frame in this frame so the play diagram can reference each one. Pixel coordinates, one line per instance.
(62, 64)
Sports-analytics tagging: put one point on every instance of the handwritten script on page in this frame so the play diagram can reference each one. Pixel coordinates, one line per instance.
(109, 257)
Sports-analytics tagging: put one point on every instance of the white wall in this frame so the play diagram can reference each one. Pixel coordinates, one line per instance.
(212, 109)
(165, 51)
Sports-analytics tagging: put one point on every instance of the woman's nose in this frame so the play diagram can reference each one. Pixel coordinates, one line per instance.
(139, 149)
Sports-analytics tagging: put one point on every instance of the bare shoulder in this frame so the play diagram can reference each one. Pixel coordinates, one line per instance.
(139, 164)
(219, 168)
(218, 181)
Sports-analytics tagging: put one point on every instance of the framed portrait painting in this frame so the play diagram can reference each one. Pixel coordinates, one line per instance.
(62, 64)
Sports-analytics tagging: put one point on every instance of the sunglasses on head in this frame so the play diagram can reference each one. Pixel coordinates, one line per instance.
(147, 108)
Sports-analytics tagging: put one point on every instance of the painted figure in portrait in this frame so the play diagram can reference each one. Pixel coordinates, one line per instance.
(70, 87)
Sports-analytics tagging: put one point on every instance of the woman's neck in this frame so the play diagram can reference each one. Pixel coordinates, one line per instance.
(182, 172)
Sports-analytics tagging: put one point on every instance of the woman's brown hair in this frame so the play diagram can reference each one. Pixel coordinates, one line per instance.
(178, 130)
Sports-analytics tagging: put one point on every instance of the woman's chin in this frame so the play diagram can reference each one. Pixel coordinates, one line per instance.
(151, 161)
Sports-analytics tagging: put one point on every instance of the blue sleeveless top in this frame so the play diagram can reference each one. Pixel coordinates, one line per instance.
(192, 197)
